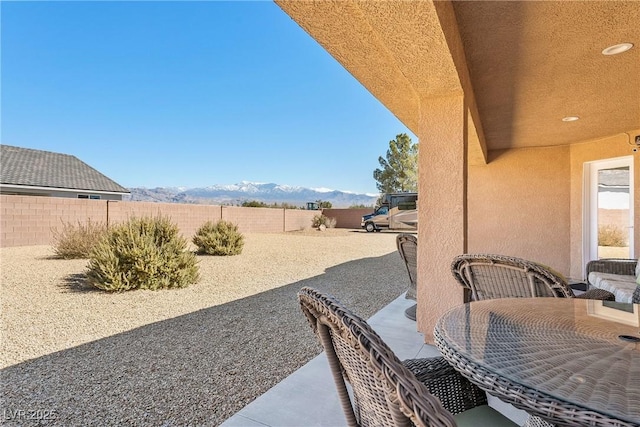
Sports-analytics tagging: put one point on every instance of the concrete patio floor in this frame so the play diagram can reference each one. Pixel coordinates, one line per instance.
(308, 396)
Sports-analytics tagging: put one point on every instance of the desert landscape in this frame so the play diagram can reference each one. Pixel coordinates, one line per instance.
(191, 356)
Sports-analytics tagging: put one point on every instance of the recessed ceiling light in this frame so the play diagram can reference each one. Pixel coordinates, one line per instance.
(617, 48)
(570, 118)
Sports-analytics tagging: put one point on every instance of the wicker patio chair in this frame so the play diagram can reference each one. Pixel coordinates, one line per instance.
(387, 392)
(407, 245)
(620, 266)
(487, 276)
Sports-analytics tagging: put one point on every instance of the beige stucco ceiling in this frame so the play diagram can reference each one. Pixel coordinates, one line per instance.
(525, 64)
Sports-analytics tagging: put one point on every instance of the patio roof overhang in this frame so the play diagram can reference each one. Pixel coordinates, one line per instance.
(522, 66)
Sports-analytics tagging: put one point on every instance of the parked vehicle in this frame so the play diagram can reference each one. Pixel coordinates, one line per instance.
(398, 211)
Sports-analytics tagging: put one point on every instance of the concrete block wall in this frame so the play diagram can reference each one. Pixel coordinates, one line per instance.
(616, 217)
(29, 220)
(188, 217)
(347, 218)
(265, 220)
(298, 219)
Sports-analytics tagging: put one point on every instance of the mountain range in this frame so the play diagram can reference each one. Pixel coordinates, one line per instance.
(236, 194)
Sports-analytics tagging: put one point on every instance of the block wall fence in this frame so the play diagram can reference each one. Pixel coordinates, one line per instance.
(29, 220)
(347, 218)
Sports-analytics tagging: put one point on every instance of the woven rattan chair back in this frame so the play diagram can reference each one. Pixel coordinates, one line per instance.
(408, 249)
(489, 276)
(385, 392)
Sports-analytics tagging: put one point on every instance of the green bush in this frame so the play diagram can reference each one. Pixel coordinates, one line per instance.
(142, 253)
(77, 240)
(254, 204)
(319, 220)
(259, 204)
(611, 235)
(221, 238)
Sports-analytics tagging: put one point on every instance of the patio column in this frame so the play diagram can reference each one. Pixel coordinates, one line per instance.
(442, 207)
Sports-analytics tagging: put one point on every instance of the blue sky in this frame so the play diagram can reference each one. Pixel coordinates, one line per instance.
(157, 94)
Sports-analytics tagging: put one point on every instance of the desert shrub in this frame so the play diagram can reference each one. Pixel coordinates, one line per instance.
(259, 204)
(319, 220)
(142, 253)
(77, 240)
(324, 205)
(254, 204)
(221, 238)
(611, 235)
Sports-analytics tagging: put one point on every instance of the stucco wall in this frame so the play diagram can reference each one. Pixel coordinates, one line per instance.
(518, 204)
(29, 220)
(442, 208)
(529, 202)
(524, 202)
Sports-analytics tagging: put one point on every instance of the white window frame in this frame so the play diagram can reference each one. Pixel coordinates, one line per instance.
(590, 209)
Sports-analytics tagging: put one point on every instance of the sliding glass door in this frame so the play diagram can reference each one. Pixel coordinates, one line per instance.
(609, 209)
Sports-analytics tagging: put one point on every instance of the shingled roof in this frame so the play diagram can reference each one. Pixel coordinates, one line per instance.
(25, 166)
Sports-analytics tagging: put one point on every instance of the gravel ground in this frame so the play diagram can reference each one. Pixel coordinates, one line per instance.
(75, 356)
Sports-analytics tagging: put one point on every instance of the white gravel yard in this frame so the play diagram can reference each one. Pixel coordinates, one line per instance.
(191, 356)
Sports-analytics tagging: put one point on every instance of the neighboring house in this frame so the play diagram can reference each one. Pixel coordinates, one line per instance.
(28, 172)
(519, 107)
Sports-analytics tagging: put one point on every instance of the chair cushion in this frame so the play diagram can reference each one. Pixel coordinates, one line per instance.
(621, 286)
(483, 416)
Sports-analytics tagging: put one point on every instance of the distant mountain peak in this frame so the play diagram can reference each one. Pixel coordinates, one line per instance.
(236, 194)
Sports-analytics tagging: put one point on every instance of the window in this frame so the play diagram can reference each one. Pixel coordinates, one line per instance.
(89, 196)
(382, 210)
(407, 206)
(608, 213)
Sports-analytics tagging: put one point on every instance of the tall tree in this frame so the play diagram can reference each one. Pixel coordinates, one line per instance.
(399, 171)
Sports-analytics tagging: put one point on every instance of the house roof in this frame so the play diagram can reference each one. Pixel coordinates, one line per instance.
(522, 65)
(28, 167)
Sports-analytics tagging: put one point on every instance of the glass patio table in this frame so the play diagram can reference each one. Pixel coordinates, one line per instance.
(569, 361)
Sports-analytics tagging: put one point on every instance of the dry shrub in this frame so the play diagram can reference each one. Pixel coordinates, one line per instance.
(612, 235)
(142, 253)
(319, 220)
(221, 238)
(77, 240)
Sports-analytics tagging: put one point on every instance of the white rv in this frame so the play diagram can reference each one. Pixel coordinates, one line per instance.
(398, 211)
